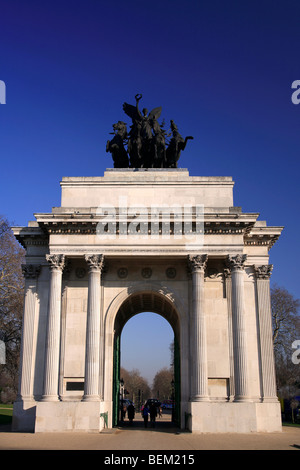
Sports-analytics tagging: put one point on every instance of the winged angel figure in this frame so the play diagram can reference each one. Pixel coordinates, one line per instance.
(146, 142)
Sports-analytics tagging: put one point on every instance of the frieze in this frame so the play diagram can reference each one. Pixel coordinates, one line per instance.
(146, 273)
(122, 273)
(171, 272)
(80, 272)
(213, 273)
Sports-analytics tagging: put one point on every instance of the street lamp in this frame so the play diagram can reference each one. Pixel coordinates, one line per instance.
(122, 397)
(173, 404)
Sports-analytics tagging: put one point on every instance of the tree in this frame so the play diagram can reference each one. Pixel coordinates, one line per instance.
(285, 318)
(286, 329)
(135, 385)
(11, 308)
(162, 384)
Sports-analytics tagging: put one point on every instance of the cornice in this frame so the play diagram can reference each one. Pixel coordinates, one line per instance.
(262, 236)
(29, 236)
(86, 223)
(83, 223)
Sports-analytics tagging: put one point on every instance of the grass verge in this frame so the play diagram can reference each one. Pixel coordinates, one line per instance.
(6, 412)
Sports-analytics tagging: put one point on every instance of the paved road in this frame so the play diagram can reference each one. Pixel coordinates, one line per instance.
(163, 437)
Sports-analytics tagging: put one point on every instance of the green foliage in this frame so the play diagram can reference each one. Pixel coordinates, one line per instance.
(6, 412)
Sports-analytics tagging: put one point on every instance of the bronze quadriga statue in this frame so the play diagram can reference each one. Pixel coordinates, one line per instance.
(146, 141)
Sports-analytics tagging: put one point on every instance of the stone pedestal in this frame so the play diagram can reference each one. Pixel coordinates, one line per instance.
(72, 416)
(234, 417)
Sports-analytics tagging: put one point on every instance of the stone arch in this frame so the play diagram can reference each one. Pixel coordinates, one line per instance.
(149, 294)
(135, 299)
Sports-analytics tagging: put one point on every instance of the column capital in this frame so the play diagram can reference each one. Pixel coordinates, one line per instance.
(57, 262)
(197, 262)
(95, 262)
(236, 262)
(264, 271)
(31, 271)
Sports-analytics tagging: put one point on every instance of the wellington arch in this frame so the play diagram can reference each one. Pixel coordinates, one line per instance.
(109, 252)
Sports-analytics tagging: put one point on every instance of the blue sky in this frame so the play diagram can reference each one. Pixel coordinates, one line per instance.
(221, 69)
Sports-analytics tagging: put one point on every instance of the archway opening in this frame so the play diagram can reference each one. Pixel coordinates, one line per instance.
(149, 335)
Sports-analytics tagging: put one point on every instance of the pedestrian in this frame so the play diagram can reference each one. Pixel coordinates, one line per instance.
(123, 412)
(130, 412)
(153, 414)
(145, 414)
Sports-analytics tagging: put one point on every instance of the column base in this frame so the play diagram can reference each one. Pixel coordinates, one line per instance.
(200, 398)
(24, 398)
(52, 398)
(270, 400)
(242, 399)
(90, 398)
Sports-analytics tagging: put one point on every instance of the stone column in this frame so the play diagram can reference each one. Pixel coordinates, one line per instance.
(241, 380)
(92, 358)
(30, 272)
(228, 291)
(52, 353)
(199, 385)
(268, 382)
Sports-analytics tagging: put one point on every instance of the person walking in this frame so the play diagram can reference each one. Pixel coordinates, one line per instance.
(130, 412)
(153, 414)
(145, 414)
